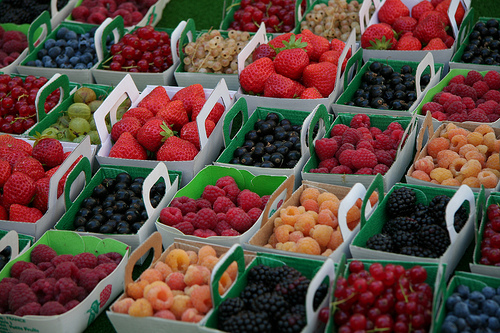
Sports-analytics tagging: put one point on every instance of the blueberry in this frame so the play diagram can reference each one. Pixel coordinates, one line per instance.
(38, 63)
(484, 319)
(477, 297)
(461, 310)
(31, 63)
(90, 65)
(449, 327)
(83, 45)
(73, 43)
(41, 53)
(61, 43)
(54, 52)
(80, 66)
(473, 306)
(474, 321)
(46, 58)
(463, 290)
(69, 51)
(496, 298)
(461, 324)
(66, 65)
(70, 35)
(61, 32)
(74, 60)
(50, 64)
(49, 43)
(494, 323)
(490, 307)
(61, 59)
(92, 31)
(86, 58)
(451, 301)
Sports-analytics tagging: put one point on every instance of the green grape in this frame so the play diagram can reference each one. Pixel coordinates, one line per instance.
(50, 132)
(94, 138)
(67, 135)
(92, 124)
(120, 112)
(78, 139)
(64, 121)
(79, 126)
(79, 110)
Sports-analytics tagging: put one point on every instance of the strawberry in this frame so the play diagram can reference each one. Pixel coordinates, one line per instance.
(263, 50)
(449, 41)
(129, 124)
(128, 147)
(174, 114)
(299, 88)
(12, 155)
(11, 142)
(337, 45)
(331, 56)
(41, 198)
(404, 24)
(436, 2)
(435, 44)
(198, 103)
(19, 189)
(3, 213)
(430, 27)
(153, 133)
(420, 8)
(310, 93)
(309, 47)
(254, 76)
(378, 36)
(216, 113)
(5, 171)
(142, 114)
(391, 10)
(408, 43)
(321, 76)
(188, 94)
(279, 86)
(31, 167)
(443, 6)
(21, 213)
(155, 100)
(62, 181)
(177, 149)
(277, 43)
(291, 62)
(49, 152)
(320, 44)
(189, 132)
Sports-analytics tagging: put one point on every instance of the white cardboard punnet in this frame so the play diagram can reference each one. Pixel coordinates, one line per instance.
(12, 239)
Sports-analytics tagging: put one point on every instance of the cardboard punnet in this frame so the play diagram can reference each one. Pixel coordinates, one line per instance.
(56, 205)
(293, 103)
(348, 197)
(81, 316)
(318, 116)
(459, 241)
(425, 66)
(440, 56)
(109, 77)
(279, 187)
(427, 130)
(210, 147)
(58, 16)
(403, 157)
(125, 323)
(18, 243)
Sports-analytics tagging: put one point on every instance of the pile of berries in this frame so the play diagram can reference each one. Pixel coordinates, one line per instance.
(273, 143)
(390, 298)
(116, 206)
(5, 256)
(458, 156)
(468, 98)
(472, 310)
(293, 66)
(26, 11)
(150, 126)
(96, 11)
(144, 50)
(12, 43)
(483, 44)
(490, 245)
(358, 149)
(272, 301)
(222, 210)
(428, 27)
(384, 89)
(313, 227)
(177, 287)
(53, 284)
(415, 229)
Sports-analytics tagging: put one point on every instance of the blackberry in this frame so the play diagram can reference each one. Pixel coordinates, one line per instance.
(380, 242)
(271, 303)
(417, 251)
(437, 209)
(401, 202)
(281, 273)
(434, 238)
(253, 291)
(461, 217)
(259, 273)
(294, 290)
(422, 215)
(320, 294)
(400, 223)
(291, 323)
(247, 321)
(230, 307)
(402, 238)
(300, 308)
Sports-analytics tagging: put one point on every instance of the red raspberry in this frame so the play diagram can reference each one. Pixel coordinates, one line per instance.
(190, 217)
(5, 289)
(71, 304)
(375, 130)
(319, 170)
(223, 204)
(464, 90)
(204, 233)
(360, 120)
(44, 290)
(19, 266)
(351, 136)
(185, 204)
(329, 163)
(342, 169)
(383, 157)
(468, 102)
(211, 193)
(89, 279)
(264, 199)
(364, 171)
(325, 148)
(85, 260)
(472, 77)
(66, 290)
(452, 99)
(115, 256)
(254, 214)
(457, 79)
(239, 219)
(247, 200)
(394, 126)
(61, 258)
(202, 203)
(29, 276)
(493, 117)
(206, 219)
(221, 226)
(345, 146)
(436, 97)
(66, 269)
(232, 192)
(488, 107)
(338, 129)
(481, 88)
(107, 268)
(43, 266)
(439, 116)
(364, 144)
(171, 216)
(492, 95)
(346, 158)
(444, 97)
(82, 294)
(458, 117)
(338, 138)
(363, 158)
(20, 295)
(30, 309)
(492, 78)
(477, 115)
(393, 153)
(397, 136)
(480, 101)
(455, 107)
(42, 253)
(52, 308)
(380, 168)
(103, 259)
(230, 232)
(223, 181)
(383, 141)
(366, 135)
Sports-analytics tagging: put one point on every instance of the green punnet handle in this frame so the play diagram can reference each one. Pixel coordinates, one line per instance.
(465, 27)
(188, 34)
(463, 193)
(319, 113)
(355, 58)
(109, 26)
(378, 185)
(239, 106)
(235, 253)
(57, 81)
(42, 20)
(82, 166)
(439, 290)
(480, 207)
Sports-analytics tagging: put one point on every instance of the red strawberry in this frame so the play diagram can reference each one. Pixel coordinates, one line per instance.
(142, 114)
(391, 10)
(174, 114)
(449, 41)
(4, 215)
(105, 295)
(299, 89)
(155, 100)
(443, 6)
(330, 56)
(41, 199)
(153, 133)
(189, 132)
(431, 26)
(31, 167)
(277, 43)
(12, 155)
(407, 43)
(19, 189)
(321, 76)
(254, 76)
(49, 152)
(310, 93)
(291, 63)
(279, 86)
(420, 8)
(129, 124)
(337, 45)
(11, 142)
(320, 44)
(404, 24)
(263, 50)
(5, 171)
(20, 213)
(198, 103)
(435, 44)
(177, 149)
(128, 147)
(214, 115)
(188, 94)
(378, 36)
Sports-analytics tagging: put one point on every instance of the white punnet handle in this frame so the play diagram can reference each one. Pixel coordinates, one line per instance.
(98, 40)
(158, 172)
(413, 124)
(452, 9)
(428, 60)
(327, 269)
(260, 37)
(364, 13)
(174, 38)
(463, 193)
(10, 239)
(358, 191)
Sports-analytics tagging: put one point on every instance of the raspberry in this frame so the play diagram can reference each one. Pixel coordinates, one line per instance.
(443, 97)
(171, 216)
(52, 309)
(329, 163)
(492, 95)
(419, 174)
(202, 203)
(375, 130)
(481, 88)
(19, 295)
(360, 120)
(4, 294)
(325, 148)
(221, 226)
(239, 219)
(351, 136)
(480, 101)
(19, 266)
(202, 299)
(440, 174)
(471, 168)
(319, 170)
(221, 217)
(61, 258)
(204, 233)
(159, 295)
(364, 144)
(346, 158)
(71, 304)
(141, 308)
(30, 275)
(43, 266)
(9, 280)
(254, 214)
(247, 200)
(488, 107)
(232, 192)
(185, 227)
(90, 279)
(338, 129)
(383, 157)
(363, 158)
(230, 232)
(66, 269)
(464, 90)
(488, 179)
(44, 289)
(458, 117)
(115, 256)
(453, 98)
(224, 181)
(42, 253)
(493, 117)
(341, 169)
(190, 217)
(394, 126)
(345, 146)
(65, 290)
(432, 107)
(206, 219)
(211, 193)
(30, 309)
(85, 260)
(439, 116)
(472, 77)
(383, 141)
(338, 138)
(435, 145)
(364, 171)
(455, 107)
(492, 78)
(107, 268)
(457, 79)
(445, 157)
(380, 168)
(468, 102)
(477, 115)
(185, 204)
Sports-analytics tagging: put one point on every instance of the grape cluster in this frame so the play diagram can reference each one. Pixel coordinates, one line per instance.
(212, 53)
